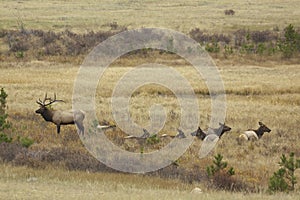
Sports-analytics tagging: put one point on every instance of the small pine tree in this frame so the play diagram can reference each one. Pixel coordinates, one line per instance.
(291, 42)
(3, 116)
(290, 165)
(284, 179)
(277, 181)
(218, 166)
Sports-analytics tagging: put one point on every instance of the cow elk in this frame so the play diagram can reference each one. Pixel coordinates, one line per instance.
(199, 133)
(255, 134)
(60, 117)
(229, 12)
(222, 128)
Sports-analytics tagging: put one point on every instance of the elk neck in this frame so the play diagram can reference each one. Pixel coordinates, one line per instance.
(48, 115)
(259, 132)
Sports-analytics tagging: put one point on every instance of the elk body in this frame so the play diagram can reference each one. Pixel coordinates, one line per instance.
(180, 134)
(229, 12)
(60, 117)
(256, 134)
(199, 133)
(224, 128)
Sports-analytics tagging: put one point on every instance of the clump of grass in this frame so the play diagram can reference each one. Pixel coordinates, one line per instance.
(5, 138)
(153, 139)
(26, 141)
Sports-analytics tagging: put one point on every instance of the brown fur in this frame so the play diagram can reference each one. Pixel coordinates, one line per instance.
(60, 117)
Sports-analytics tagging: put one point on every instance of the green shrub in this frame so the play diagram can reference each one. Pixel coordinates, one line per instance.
(284, 179)
(4, 124)
(218, 166)
(5, 138)
(261, 48)
(277, 181)
(26, 142)
(153, 139)
(20, 54)
(291, 42)
(228, 50)
(213, 47)
(221, 178)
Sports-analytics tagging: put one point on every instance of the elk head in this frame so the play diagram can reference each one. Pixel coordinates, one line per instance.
(44, 110)
(262, 129)
(199, 133)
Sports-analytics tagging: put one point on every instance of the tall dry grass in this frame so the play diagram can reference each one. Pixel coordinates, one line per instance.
(26, 183)
(269, 94)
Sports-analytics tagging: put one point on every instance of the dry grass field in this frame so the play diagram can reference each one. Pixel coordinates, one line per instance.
(263, 90)
(252, 96)
(24, 183)
(177, 15)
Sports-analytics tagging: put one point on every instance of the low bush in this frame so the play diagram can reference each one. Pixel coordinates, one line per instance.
(45, 44)
(263, 43)
(49, 43)
(9, 151)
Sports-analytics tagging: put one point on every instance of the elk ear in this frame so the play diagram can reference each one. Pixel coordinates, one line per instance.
(260, 123)
(222, 124)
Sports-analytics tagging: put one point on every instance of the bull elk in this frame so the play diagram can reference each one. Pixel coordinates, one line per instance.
(60, 117)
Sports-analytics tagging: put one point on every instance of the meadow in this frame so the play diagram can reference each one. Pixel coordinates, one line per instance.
(177, 15)
(256, 90)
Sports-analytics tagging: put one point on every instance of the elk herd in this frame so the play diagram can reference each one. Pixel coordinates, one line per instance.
(65, 117)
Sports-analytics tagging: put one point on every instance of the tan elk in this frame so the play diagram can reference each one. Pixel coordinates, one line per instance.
(60, 117)
(255, 134)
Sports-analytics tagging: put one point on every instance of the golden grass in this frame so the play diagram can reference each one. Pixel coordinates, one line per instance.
(26, 183)
(182, 16)
(269, 94)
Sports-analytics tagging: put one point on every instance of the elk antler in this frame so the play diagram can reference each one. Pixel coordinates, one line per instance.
(42, 103)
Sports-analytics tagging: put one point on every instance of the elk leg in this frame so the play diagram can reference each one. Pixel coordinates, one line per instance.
(80, 127)
(58, 128)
